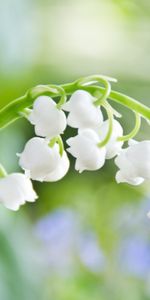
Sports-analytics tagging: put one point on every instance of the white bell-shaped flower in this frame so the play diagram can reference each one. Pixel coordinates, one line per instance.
(42, 162)
(84, 147)
(82, 111)
(113, 146)
(49, 121)
(15, 190)
(38, 159)
(61, 169)
(134, 163)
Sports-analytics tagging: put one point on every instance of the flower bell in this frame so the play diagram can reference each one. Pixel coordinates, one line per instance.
(82, 111)
(15, 190)
(49, 121)
(42, 162)
(60, 171)
(84, 147)
(113, 146)
(134, 163)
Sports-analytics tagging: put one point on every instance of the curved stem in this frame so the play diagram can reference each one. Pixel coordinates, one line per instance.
(58, 140)
(62, 93)
(134, 131)
(56, 90)
(110, 126)
(100, 79)
(61, 145)
(3, 172)
(105, 95)
(25, 112)
(11, 112)
(120, 98)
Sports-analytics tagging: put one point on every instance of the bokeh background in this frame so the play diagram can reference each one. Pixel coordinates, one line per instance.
(86, 237)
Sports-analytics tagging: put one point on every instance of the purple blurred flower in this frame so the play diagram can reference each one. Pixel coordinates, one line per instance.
(65, 242)
(90, 252)
(134, 257)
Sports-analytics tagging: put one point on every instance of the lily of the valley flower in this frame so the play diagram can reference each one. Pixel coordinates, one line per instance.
(113, 146)
(15, 190)
(82, 111)
(42, 162)
(49, 121)
(134, 163)
(61, 169)
(84, 147)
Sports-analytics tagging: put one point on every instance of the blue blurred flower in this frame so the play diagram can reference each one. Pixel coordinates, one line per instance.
(90, 253)
(134, 257)
(66, 243)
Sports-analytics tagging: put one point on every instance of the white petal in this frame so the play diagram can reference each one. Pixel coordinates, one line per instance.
(82, 111)
(49, 121)
(83, 143)
(139, 155)
(134, 163)
(79, 166)
(132, 142)
(85, 149)
(61, 169)
(15, 190)
(38, 158)
(127, 168)
(134, 181)
(113, 146)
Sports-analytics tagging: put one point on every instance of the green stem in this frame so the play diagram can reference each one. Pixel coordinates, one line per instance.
(62, 94)
(110, 126)
(105, 95)
(26, 112)
(100, 79)
(120, 98)
(134, 131)
(12, 111)
(3, 172)
(58, 140)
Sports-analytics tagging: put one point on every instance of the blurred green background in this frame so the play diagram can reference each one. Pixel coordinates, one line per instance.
(85, 237)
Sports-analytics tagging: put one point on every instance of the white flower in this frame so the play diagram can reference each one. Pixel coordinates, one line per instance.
(86, 151)
(134, 163)
(15, 190)
(49, 121)
(113, 146)
(61, 169)
(82, 111)
(42, 162)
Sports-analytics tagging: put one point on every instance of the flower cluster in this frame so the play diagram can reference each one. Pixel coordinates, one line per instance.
(97, 140)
